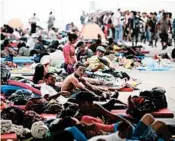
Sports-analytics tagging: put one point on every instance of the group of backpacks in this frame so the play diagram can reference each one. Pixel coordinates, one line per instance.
(147, 102)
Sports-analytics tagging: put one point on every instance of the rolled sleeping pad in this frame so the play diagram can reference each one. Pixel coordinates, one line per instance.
(126, 90)
(19, 60)
(9, 136)
(162, 113)
(24, 86)
(7, 90)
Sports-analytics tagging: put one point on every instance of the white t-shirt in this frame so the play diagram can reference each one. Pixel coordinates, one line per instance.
(30, 43)
(33, 19)
(52, 35)
(116, 19)
(145, 21)
(46, 89)
(111, 137)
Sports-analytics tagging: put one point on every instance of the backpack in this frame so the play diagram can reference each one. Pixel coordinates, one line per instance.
(157, 96)
(139, 106)
(147, 102)
(136, 23)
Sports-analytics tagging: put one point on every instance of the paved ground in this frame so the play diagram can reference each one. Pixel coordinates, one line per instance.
(151, 79)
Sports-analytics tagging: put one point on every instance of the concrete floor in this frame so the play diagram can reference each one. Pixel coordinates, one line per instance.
(152, 79)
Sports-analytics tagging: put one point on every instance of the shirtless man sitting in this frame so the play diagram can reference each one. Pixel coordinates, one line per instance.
(76, 81)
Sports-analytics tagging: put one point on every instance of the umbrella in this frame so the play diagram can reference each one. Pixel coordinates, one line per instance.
(90, 31)
(15, 23)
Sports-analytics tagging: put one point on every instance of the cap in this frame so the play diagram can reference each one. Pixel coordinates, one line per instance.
(101, 48)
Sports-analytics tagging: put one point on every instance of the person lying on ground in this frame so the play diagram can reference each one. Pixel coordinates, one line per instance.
(87, 107)
(76, 81)
(99, 61)
(147, 129)
(49, 90)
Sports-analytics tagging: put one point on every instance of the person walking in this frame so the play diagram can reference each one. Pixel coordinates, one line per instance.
(51, 20)
(116, 20)
(33, 22)
(163, 26)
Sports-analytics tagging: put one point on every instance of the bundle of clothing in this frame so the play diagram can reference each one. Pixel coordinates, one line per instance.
(20, 97)
(19, 117)
(8, 127)
(39, 105)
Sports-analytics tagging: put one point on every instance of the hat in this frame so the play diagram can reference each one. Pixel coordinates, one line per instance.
(101, 48)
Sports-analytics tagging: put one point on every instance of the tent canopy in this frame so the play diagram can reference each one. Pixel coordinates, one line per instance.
(90, 31)
(15, 23)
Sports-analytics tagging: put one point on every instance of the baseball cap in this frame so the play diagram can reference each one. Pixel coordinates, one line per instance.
(101, 48)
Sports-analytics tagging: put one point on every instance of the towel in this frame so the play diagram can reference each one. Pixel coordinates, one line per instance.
(39, 130)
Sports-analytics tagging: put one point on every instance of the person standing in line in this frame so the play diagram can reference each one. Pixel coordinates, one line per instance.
(51, 20)
(144, 24)
(152, 26)
(163, 25)
(33, 22)
(135, 28)
(118, 27)
(82, 18)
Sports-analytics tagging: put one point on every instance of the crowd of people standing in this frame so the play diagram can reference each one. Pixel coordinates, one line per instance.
(135, 26)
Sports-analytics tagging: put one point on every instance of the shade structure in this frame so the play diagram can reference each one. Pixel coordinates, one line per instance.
(15, 23)
(90, 31)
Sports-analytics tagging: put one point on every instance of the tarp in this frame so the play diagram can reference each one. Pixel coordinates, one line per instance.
(153, 65)
(90, 31)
